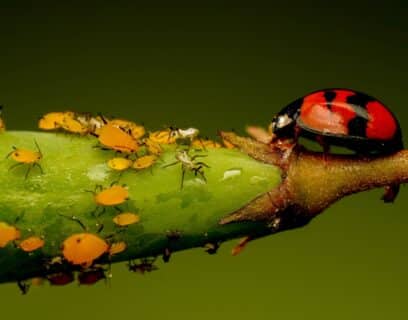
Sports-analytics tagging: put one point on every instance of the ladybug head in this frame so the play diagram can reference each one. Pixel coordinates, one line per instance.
(284, 122)
(280, 122)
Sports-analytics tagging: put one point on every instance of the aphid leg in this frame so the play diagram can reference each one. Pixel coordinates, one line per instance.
(183, 173)
(241, 245)
(39, 167)
(28, 171)
(23, 286)
(16, 165)
(76, 219)
(170, 164)
(166, 255)
(390, 193)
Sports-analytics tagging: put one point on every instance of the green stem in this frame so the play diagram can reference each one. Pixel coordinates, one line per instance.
(72, 165)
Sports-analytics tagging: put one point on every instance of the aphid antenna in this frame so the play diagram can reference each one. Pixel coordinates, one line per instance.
(20, 217)
(38, 147)
(76, 219)
(9, 154)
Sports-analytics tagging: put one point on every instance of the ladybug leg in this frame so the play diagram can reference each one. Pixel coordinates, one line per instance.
(241, 245)
(326, 147)
(390, 193)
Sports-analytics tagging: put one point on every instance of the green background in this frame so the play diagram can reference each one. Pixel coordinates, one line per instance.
(220, 67)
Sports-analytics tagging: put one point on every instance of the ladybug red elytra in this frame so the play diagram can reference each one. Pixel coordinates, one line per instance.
(342, 117)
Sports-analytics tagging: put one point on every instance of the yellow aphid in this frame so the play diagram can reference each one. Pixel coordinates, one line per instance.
(145, 162)
(153, 147)
(205, 144)
(126, 219)
(163, 137)
(83, 248)
(54, 120)
(26, 157)
(2, 124)
(135, 130)
(117, 139)
(117, 247)
(120, 164)
(72, 125)
(228, 144)
(7, 234)
(112, 196)
(37, 282)
(31, 244)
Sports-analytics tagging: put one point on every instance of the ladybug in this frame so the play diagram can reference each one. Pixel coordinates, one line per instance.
(342, 117)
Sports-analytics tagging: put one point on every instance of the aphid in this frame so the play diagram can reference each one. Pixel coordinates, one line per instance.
(228, 144)
(184, 134)
(37, 281)
(188, 163)
(172, 236)
(61, 278)
(92, 276)
(8, 233)
(126, 219)
(31, 244)
(72, 125)
(342, 117)
(259, 134)
(54, 120)
(201, 144)
(117, 247)
(153, 147)
(117, 139)
(166, 255)
(119, 163)
(162, 137)
(240, 246)
(26, 157)
(211, 247)
(83, 248)
(145, 162)
(2, 124)
(135, 130)
(111, 196)
(145, 265)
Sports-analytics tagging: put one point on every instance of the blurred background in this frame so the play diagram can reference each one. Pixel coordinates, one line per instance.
(220, 67)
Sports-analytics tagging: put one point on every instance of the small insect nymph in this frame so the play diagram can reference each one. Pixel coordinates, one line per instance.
(189, 163)
(26, 157)
(145, 265)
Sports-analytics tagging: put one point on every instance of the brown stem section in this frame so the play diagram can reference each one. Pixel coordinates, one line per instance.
(311, 181)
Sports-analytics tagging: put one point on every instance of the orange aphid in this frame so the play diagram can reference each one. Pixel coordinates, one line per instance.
(120, 164)
(125, 219)
(117, 139)
(72, 125)
(153, 147)
(205, 144)
(112, 196)
(83, 248)
(228, 144)
(163, 137)
(117, 247)
(144, 162)
(31, 244)
(53, 120)
(8, 233)
(135, 130)
(25, 156)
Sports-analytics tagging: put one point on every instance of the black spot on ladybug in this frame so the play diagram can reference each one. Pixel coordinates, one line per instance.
(359, 99)
(357, 127)
(329, 96)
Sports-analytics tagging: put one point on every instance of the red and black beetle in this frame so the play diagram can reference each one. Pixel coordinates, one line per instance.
(342, 117)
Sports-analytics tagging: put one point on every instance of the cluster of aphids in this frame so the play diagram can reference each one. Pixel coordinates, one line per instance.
(339, 117)
(135, 149)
